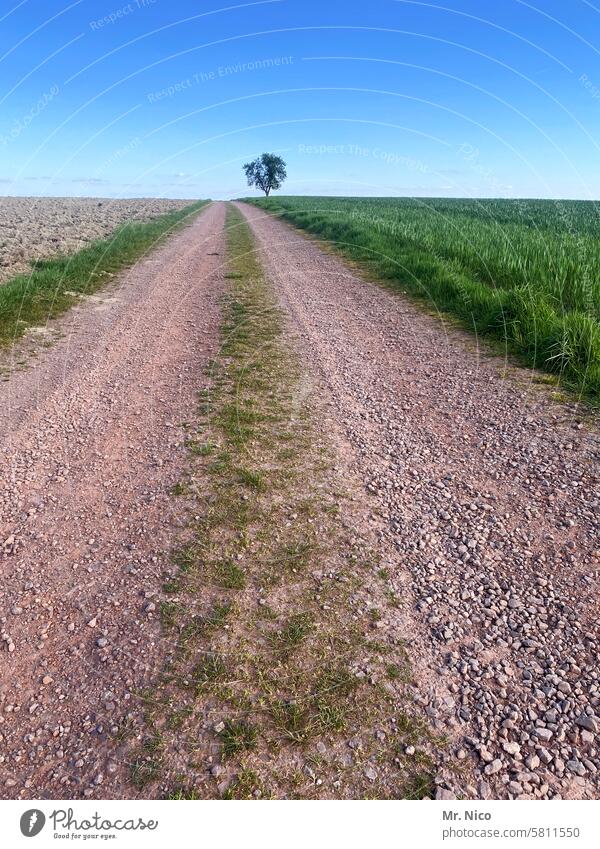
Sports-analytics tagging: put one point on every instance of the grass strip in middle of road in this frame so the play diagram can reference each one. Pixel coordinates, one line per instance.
(280, 680)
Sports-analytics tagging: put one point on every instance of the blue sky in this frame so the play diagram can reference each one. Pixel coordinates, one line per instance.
(157, 98)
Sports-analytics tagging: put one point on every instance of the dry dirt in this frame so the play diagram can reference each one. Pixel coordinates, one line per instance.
(91, 440)
(488, 492)
(37, 228)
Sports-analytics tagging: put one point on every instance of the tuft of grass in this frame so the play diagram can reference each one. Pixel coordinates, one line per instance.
(393, 672)
(296, 555)
(218, 615)
(293, 719)
(154, 742)
(186, 558)
(334, 687)
(336, 681)
(252, 479)
(183, 794)
(229, 575)
(294, 631)
(421, 785)
(168, 613)
(210, 670)
(146, 767)
(237, 737)
(144, 771)
(332, 717)
(202, 449)
(246, 785)
(410, 728)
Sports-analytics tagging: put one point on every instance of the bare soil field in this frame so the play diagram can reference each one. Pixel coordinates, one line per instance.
(37, 228)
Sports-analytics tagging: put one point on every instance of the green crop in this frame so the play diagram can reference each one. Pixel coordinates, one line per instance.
(523, 271)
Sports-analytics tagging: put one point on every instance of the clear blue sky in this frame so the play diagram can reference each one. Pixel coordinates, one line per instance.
(170, 98)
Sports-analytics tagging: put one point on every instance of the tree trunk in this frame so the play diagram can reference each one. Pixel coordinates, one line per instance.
(267, 192)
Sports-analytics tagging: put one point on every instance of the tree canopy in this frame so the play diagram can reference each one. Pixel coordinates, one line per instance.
(266, 173)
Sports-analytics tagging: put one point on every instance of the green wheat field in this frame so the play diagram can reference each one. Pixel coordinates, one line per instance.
(523, 272)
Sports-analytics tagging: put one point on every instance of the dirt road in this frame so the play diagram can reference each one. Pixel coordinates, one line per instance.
(489, 493)
(481, 489)
(91, 439)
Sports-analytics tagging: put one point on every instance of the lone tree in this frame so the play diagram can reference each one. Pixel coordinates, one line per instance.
(267, 172)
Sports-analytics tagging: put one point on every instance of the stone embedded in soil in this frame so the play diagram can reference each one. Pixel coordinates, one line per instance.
(370, 772)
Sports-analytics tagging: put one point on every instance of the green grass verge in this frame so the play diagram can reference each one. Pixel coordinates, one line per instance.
(56, 284)
(524, 273)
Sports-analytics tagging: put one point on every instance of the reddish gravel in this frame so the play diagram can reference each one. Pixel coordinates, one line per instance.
(91, 442)
(483, 491)
(488, 491)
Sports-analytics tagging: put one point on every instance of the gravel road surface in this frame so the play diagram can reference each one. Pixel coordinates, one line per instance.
(91, 440)
(482, 488)
(488, 490)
